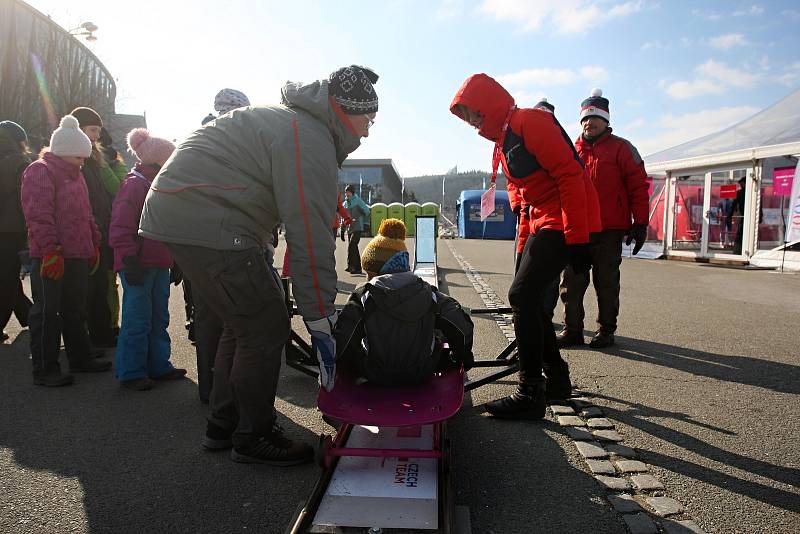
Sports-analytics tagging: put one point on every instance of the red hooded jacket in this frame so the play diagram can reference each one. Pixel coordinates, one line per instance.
(618, 174)
(537, 157)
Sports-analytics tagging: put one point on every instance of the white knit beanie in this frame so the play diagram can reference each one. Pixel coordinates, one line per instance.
(68, 139)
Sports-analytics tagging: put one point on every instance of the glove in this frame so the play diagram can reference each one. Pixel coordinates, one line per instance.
(347, 221)
(324, 346)
(134, 272)
(517, 210)
(637, 233)
(94, 261)
(579, 257)
(175, 274)
(53, 265)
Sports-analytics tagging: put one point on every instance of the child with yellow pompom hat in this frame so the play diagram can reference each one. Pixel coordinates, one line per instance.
(392, 329)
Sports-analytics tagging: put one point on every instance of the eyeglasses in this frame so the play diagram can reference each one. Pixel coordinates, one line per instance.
(370, 122)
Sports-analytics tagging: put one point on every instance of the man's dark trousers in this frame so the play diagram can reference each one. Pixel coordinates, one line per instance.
(544, 256)
(353, 254)
(606, 250)
(238, 287)
(59, 308)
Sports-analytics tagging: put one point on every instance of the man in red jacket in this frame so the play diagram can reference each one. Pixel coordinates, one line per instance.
(537, 157)
(617, 172)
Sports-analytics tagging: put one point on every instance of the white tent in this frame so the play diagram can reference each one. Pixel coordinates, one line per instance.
(774, 131)
(698, 171)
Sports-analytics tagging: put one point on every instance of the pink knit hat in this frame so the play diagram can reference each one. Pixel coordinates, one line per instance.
(148, 149)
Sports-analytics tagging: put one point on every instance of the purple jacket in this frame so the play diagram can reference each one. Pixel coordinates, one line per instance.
(55, 202)
(125, 213)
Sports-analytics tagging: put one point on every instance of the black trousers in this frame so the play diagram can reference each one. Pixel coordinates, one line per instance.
(98, 312)
(353, 254)
(59, 308)
(208, 330)
(240, 289)
(544, 257)
(12, 297)
(606, 250)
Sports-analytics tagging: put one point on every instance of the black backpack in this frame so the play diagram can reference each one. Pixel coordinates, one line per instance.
(399, 346)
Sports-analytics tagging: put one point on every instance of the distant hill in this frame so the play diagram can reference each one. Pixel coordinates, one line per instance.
(429, 188)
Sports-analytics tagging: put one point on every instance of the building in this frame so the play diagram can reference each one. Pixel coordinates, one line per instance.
(375, 180)
(725, 196)
(45, 73)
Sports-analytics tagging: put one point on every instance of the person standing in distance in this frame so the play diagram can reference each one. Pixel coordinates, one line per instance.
(617, 172)
(215, 203)
(359, 214)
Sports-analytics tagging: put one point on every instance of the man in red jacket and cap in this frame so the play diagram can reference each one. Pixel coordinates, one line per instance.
(617, 172)
(539, 159)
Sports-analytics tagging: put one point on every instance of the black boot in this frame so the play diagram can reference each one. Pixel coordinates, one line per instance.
(528, 402)
(559, 386)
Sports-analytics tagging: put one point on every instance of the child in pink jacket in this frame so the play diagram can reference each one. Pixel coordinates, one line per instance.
(64, 247)
(143, 345)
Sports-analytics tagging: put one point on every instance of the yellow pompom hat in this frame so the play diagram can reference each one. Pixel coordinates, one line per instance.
(388, 243)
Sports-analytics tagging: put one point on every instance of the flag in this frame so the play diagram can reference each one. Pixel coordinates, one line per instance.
(793, 217)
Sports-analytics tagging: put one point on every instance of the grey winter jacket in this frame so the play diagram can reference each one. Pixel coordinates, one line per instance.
(230, 182)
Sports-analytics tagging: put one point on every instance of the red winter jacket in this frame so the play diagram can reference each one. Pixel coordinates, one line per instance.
(57, 211)
(618, 174)
(537, 157)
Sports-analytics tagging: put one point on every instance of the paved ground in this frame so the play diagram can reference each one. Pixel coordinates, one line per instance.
(703, 383)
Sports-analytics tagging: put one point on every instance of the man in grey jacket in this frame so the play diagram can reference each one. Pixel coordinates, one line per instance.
(215, 203)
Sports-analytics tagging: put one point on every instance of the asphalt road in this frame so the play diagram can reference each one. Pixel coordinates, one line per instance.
(703, 382)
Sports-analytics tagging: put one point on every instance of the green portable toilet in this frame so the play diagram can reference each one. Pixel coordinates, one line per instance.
(395, 210)
(431, 208)
(412, 210)
(377, 213)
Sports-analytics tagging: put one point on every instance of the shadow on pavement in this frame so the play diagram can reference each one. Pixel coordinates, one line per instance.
(640, 416)
(776, 376)
(94, 457)
(513, 471)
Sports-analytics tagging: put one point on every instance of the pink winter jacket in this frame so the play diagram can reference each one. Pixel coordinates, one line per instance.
(55, 202)
(125, 214)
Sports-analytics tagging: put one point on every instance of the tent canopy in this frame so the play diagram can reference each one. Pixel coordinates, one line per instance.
(774, 131)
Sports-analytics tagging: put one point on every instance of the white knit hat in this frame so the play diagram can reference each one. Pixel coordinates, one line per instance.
(68, 139)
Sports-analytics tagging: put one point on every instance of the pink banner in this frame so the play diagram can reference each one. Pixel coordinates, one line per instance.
(782, 179)
(487, 203)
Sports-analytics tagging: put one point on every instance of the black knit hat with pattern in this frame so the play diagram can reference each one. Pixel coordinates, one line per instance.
(352, 88)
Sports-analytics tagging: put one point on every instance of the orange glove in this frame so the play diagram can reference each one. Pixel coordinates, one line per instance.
(94, 261)
(53, 265)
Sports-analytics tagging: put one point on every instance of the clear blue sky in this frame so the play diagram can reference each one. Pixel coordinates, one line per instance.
(672, 70)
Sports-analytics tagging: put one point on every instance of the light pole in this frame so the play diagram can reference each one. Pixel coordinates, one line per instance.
(86, 30)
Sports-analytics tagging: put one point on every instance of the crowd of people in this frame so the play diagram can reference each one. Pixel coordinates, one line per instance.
(207, 214)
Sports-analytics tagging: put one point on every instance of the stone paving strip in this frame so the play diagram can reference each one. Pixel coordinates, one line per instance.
(633, 492)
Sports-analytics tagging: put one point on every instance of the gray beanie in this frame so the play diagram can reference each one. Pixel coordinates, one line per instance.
(68, 139)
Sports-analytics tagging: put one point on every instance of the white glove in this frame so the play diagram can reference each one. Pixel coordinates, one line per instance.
(324, 346)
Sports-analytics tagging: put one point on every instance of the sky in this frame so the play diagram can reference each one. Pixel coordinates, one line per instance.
(672, 70)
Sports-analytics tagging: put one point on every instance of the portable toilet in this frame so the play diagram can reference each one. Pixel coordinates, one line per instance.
(412, 209)
(502, 224)
(377, 213)
(431, 208)
(395, 210)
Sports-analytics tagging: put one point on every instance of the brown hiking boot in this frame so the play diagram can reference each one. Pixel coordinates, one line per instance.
(568, 338)
(274, 449)
(601, 340)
